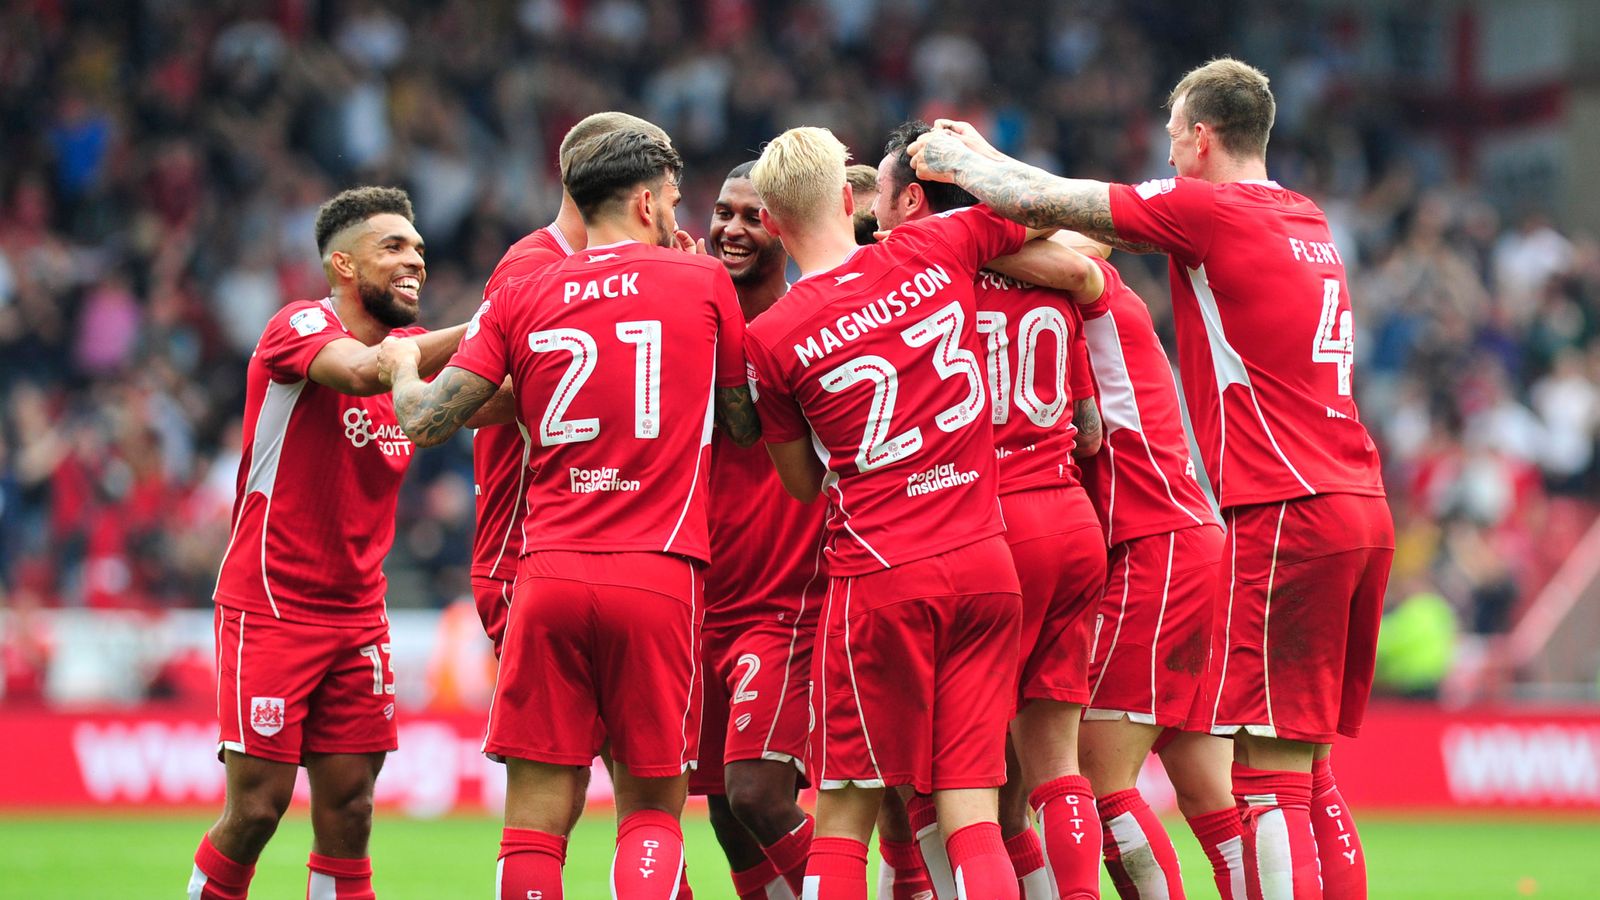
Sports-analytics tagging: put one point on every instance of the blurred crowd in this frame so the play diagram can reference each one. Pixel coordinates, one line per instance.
(164, 160)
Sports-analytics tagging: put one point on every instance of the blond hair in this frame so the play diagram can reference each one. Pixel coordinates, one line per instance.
(1234, 99)
(602, 123)
(862, 177)
(801, 173)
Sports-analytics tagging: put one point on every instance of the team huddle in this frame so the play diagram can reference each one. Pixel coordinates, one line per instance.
(921, 529)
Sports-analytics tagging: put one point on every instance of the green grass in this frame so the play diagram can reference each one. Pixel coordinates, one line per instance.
(50, 857)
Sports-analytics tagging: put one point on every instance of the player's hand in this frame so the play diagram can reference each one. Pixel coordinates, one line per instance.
(936, 154)
(686, 242)
(396, 354)
(969, 136)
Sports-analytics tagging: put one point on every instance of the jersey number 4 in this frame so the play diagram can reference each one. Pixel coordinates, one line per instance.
(943, 329)
(554, 428)
(1328, 346)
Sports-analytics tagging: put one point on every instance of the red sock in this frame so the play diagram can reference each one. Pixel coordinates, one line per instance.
(1065, 808)
(903, 875)
(649, 860)
(1027, 860)
(924, 817)
(751, 884)
(1221, 836)
(1138, 848)
(1280, 850)
(789, 852)
(1344, 865)
(332, 878)
(216, 877)
(982, 868)
(530, 864)
(836, 869)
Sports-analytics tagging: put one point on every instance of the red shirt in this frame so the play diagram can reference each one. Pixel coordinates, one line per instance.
(1265, 335)
(766, 545)
(613, 353)
(1037, 366)
(500, 452)
(910, 459)
(321, 470)
(1143, 480)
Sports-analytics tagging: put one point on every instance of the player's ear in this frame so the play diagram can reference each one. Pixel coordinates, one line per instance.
(849, 200)
(769, 223)
(341, 265)
(913, 197)
(644, 206)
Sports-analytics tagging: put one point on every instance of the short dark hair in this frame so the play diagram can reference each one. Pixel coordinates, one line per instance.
(942, 196)
(742, 170)
(1232, 97)
(605, 169)
(592, 126)
(357, 205)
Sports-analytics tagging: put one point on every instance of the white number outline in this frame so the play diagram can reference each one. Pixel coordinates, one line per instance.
(1037, 321)
(381, 660)
(1326, 347)
(876, 449)
(950, 359)
(997, 362)
(740, 695)
(645, 335)
(647, 375)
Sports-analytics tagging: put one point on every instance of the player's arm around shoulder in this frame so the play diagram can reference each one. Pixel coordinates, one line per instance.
(1056, 263)
(798, 468)
(430, 412)
(1091, 431)
(351, 367)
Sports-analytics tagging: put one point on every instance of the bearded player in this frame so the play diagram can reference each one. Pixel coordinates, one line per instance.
(1266, 352)
(618, 356)
(870, 362)
(1043, 408)
(303, 673)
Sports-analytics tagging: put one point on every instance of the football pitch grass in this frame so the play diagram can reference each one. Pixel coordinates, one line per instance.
(48, 857)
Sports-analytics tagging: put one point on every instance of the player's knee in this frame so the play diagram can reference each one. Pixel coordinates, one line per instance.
(253, 818)
(759, 804)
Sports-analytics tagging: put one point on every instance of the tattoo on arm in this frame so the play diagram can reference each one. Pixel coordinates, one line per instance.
(1038, 199)
(1086, 418)
(430, 412)
(736, 415)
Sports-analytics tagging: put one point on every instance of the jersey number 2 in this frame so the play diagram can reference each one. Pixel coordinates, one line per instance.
(554, 428)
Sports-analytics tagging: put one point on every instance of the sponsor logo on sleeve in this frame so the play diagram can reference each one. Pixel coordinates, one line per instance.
(472, 326)
(308, 321)
(1155, 186)
(266, 715)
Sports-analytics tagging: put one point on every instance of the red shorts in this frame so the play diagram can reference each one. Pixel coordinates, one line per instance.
(757, 702)
(492, 597)
(914, 674)
(1154, 628)
(1060, 553)
(598, 645)
(285, 689)
(1295, 617)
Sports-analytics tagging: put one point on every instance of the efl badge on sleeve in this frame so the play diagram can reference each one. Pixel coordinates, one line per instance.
(266, 715)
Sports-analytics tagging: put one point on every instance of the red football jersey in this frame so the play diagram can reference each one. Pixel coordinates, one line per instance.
(613, 353)
(1143, 480)
(878, 361)
(318, 482)
(1265, 335)
(500, 452)
(1037, 366)
(766, 545)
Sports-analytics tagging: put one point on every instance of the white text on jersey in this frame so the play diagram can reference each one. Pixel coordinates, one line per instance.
(886, 309)
(622, 284)
(1316, 252)
(937, 479)
(605, 478)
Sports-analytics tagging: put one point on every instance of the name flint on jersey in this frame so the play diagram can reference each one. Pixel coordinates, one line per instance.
(937, 479)
(360, 431)
(605, 478)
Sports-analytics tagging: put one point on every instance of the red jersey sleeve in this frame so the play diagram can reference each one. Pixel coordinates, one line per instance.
(730, 332)
(483, 350)
(977, 233)
(1175, 214)
(1102, 305)
(781, 418)
(294, 337)
(1080, 380)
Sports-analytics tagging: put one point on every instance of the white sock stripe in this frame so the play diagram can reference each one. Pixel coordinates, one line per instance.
(197, 883)
(1274, 861)
(1036, 885)
(778, 889)
(1139, 858)
(961, 885)
(934, 856)
(499, 878)
(1232, 851)
(321, 886)
(810, 887)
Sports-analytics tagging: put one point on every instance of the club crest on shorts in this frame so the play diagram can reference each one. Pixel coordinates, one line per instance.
(742, 722)
(266, 715)
(388, 711)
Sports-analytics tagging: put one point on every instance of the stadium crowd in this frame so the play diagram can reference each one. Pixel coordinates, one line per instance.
(164, 162)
